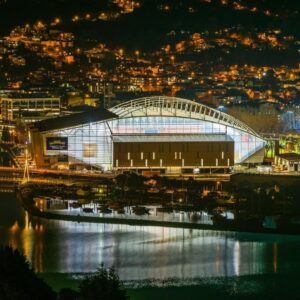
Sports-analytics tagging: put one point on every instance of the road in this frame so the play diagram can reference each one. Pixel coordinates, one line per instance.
(57, 172)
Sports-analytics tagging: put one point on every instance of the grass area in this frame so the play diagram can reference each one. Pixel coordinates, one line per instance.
(260, 286)
(64, 280)
(61, 280)
(207, 291)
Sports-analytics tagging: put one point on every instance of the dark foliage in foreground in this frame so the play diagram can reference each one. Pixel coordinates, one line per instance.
(18, 280)
(104, 284)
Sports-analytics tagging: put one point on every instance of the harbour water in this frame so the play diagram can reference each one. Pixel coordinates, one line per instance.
(146, 255)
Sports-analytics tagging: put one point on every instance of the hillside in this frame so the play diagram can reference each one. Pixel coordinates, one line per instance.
(147, 27)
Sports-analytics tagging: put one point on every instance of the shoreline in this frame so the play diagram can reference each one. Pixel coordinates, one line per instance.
(227, 226)
(153, 223)
(248, 286)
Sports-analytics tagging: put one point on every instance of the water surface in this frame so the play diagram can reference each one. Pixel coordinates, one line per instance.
(140, 253)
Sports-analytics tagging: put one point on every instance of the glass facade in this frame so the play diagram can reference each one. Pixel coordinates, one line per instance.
(89, 143)
(92, 143)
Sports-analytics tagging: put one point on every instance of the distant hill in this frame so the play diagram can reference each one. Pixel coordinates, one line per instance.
(17, 12)
(147, 26)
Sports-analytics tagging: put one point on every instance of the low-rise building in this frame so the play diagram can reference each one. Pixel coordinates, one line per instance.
(288, 162)
(30, 109)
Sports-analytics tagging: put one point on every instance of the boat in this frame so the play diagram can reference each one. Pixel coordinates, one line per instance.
(121, 211)
(153, 190)
(225, 201)
(115, 205)
(140, 210)
(219, 220)
(104, 209)
(75, 205)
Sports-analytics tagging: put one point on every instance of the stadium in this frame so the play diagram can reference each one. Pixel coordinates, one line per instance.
(167, 134)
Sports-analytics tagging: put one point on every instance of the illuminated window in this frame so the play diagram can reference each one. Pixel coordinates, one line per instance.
(128, 155)
(89, 150)
(217, 162)
(142, 155)
(182, 162)
(160, 162)
(228, 162)
(175, 155)
(179, 155)
(201, 162)
(117, 163)
(146, 162)
(153, 155)
(131, 163)
(222, 154)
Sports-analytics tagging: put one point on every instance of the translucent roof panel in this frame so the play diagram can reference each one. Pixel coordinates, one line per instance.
(156, 138)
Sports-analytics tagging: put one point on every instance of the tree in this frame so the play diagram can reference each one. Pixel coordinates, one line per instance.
(18, 280)
(21, 131)
(5, 135)
(68, 294)
(262, 118)
(104, 284)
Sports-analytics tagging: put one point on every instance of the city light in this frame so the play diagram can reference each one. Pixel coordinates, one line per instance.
(149, 146)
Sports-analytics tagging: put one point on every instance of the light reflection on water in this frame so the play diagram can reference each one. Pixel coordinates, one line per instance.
(140, 253)
(189, 217)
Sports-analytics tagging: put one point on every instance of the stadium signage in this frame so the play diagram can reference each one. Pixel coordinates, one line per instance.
(57, 143)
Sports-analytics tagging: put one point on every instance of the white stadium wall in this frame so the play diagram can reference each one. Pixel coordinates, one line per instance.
(92, 143)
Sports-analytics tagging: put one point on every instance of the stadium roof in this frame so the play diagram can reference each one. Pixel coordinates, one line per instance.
(148, 106)
(177, 107)
(76, 119)
(289, 156)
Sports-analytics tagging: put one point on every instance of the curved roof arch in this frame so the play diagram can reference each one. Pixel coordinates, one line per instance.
(177, 107)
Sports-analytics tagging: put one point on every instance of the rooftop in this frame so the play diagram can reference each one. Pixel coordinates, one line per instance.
(289, 156)
(90, 116)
